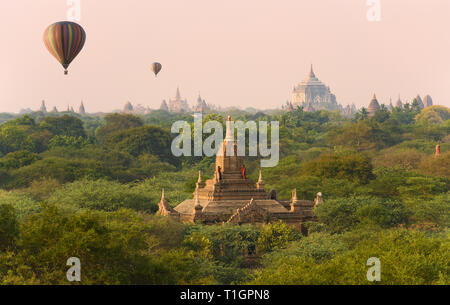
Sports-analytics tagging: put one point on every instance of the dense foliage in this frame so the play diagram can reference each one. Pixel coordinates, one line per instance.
(88, 187)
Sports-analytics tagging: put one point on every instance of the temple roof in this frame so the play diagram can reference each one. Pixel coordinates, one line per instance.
(311, 73)
(310, 81)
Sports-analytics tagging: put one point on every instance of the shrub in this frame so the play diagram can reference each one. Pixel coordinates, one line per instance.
(276, 235)
(230, 243)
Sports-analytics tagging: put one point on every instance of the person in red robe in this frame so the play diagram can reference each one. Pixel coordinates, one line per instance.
(244, 172)
(219, 170)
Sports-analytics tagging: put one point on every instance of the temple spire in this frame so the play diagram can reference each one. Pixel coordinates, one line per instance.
(294, 195)
(260, 183)
(294, 202)
(229, 133)
(43, 107)
(164, 207)
(178, 97)
(311, 72)
(81, 109)
(200, 183)
(197, 205)
(318, 200)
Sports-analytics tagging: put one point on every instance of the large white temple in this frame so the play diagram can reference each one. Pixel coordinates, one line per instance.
(312, 95)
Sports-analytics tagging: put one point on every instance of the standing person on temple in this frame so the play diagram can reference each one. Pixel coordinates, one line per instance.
(244, 172)
(219, 170)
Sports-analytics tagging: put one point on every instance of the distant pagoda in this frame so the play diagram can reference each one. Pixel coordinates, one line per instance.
(178, 105)
(374, 106)
(164, 106)
(43, 107)
(427, 101)
(201, 105)
(313, 95)
(128, 108)
(81, 110)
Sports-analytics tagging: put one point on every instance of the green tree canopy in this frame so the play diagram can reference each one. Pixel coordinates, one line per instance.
(65, 125)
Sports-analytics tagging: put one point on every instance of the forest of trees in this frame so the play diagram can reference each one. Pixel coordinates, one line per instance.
(89, 186)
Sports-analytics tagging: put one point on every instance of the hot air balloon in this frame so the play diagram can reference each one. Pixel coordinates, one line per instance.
(64, 40)
(156, 67)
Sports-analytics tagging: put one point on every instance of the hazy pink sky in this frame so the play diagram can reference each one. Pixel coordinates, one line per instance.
(235, 52)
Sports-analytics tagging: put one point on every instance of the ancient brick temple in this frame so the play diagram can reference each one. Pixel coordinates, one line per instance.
(232, 197)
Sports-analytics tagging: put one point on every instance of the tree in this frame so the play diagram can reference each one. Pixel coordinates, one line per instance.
(117, 122)
(65, 125)
(382, 114)
(102, 195)
(60, 169)
(66, 141)
(362, 115)
(434, 115)
(141, 140)
(114, 248)
(22, 204)
(18, 159)
(436, 165)
(16, 138)
(407, 159)
(436, 210)
(363, 135)
(407, 256)
(354, 167)
(8, 226)
(342, 214)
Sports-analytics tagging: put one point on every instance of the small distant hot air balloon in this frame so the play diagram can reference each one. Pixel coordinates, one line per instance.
(64, 40)
(156, 67)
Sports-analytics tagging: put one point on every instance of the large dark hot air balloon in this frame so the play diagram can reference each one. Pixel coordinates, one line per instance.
(156, 67)
(64, 40)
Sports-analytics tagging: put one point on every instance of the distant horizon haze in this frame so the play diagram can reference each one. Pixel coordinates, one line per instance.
(247, 53)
